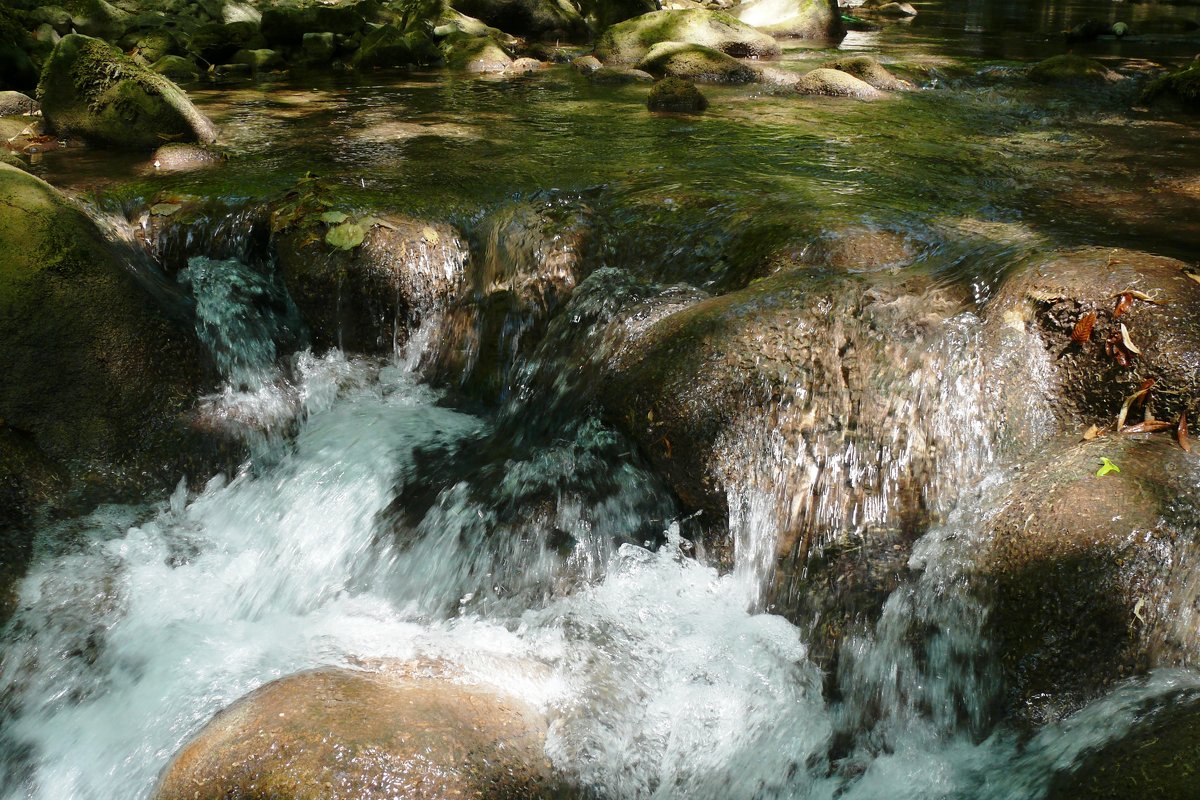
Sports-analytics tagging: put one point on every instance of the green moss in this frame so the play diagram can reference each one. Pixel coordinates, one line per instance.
(676, 94)
(1183, 85)
(696, 62)
(1070, 68)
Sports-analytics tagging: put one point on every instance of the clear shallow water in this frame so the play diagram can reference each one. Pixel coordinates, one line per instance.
(661, 680)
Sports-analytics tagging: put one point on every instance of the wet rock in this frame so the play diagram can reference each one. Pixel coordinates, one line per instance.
(177, 68)
(185, 158)
(525, 66)
(97, 378)
(386, 46)
(16, 103)
(366, 299)
(56, 17)
(317, 48)
(259, 60)
(695, 63)
(805, 363)
(46, 35)
(1091, 579)
(529, 256)
(619, 76)
(1051, 297)
(1156, 757)
(676, 94)
(1181, 88)
(552, 19)
(835, 83)
(603, 14)
(630, 41)
(152, 46)
(884, 8)
(586, 64)
(285, 26)
(398, 732)
(853, 250)
(1072, 69)
(99, 19)
(796, 19)
(91, 89)
(475, 54)
(28, 482)
(1087, 31)
(869, 71)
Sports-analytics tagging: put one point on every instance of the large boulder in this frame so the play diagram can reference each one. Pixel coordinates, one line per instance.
(364, 294)
(696, 63)
(1071, 69)
(629, 42)
(868, 70)
(1091, 578)
(1087, 307)
(340, 734)
(97, 380)
(91, 89)
(800, 19)
(835, 83)
(475, 54)
(549, 19)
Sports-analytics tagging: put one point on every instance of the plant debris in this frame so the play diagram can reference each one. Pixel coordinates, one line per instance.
(1138, 397)
(1106, 467)
(1125, 340)
(1149, 426)
(1083, 328)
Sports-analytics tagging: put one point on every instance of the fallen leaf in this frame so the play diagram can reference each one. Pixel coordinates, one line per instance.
(346, 236)
(430, 234)
(1138, 396)
(1106, 467)
(164, 209)
(1124, 301)
(1149, 426)
(1181, 432)
(1083, 328)
(1091, 433)
(334, 217)
(1137, 609)
(1144, 297)
(1125, 340)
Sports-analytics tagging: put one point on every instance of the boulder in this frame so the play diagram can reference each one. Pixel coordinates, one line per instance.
(695, 63)
(676, 94)
(285, 26)
(93, 90)
(355, 735)
(391, 46)
(185, 158)
(98, 380)
(603, 14)
(1070, 302)
(544, 19)
(619, 76)
(259, 60)
(365, 298)
(317, 48)
(98, 18)
(17, 104)
(796, 19)
(525, 66)
(586, 64)
(1181, 87)
(56, 17)
(216, 42)
(46, 35)
(886, 8)
(835, 83)
(177, 68)
(628, 42)
(1072, 69)
(869, 71)
(475, 54)
(152, 46)
(1092, 578)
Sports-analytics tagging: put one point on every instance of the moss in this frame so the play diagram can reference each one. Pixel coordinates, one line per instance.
(1183, 85)
(696, 62)
(1070, 68)
(868, 70)
(676, 94)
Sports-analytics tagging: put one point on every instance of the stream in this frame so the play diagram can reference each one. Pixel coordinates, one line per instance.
(380, 515)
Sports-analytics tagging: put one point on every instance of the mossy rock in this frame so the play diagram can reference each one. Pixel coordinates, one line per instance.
(259, 60)
(400, 731)
(475, 54)
(887, 8)
(1072, 69)
(97, 378)
(1091, 579)
(154, 45)
(629, 42)
(553, 19)
(98, 18)
(676, 94)
(835, 83)
(216, 42)
(1092, 374)
(391, 46)
(696, 63)
(793, 19)
(285, 26)
(1182, 87)
(869, 71)
(91, 89)
(603, 14)
(28, 483)
(619, 76)
(177, 68)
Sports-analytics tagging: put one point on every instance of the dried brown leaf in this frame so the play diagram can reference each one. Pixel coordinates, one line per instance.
(1149, 426)
(1124, 301)
(1137, 397)
(1083, 328)
(1125, 340)
(1091, 433)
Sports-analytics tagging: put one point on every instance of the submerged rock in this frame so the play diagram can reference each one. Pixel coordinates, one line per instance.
(619, 76)
(630, 41)
(1071, 301)
(696, 63)
(676, 94)
(401, 731)
(796, 19)
(185, 158)
(1093, 578)
(365, 297)
(835, 83)
(1072, 69)
(97, 379)
(91, 89)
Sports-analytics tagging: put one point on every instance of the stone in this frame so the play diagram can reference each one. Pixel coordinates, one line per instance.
(259, 60)
(530, 18)
(340, 734)
(525, 66)
(1072, 69)
(185, 158)
(17, 103)
(46, 34)
(796, 19)
(586, 64)
(869, 71)
(619, 76)
(1181, 87)
(884, 8)
(1091, 579)
(56, 17)
(177, 68)
(217, 42)
(317, 48)
(695, 63)
(285, 26)
(93, 90)
(676, 94)
(475, 54)
(99, 19)
(629, 42)
(835, 83)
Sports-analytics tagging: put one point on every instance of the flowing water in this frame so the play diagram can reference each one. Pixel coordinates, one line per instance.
(524, 541)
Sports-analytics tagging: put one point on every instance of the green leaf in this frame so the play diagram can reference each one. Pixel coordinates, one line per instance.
(346, 236)
(334, 217)
(1106, 467)
(164, 209)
